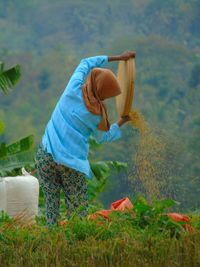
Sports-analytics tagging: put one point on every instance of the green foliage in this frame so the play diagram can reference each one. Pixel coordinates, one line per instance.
(2, 127)
(136, 234)
(12, 156)
(11, 165)
(16, 147)
(16, 155)
(93, 145)
(9, 77)
(155, 215)
(102, 170)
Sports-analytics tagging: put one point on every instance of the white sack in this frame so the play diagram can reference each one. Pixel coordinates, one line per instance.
(22, 193)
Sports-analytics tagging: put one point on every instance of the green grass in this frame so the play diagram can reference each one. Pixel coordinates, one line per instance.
(143, 237)
(83, 243)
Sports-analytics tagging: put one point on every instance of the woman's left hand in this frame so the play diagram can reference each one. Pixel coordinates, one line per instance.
(123, 120)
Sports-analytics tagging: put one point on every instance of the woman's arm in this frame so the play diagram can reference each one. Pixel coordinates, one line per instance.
(111, 135)
(114, 132)
(87, 64)
(124, 56)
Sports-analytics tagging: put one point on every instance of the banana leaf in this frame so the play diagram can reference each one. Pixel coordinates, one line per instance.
(9, 164)
(17, 147)
(102, 170)
(9, 77)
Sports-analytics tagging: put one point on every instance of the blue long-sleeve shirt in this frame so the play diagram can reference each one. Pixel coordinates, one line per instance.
(71, 124)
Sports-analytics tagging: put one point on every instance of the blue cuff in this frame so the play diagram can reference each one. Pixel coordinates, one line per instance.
(106, 61)
(116, 131)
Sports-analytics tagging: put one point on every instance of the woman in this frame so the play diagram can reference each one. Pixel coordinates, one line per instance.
(62, 156)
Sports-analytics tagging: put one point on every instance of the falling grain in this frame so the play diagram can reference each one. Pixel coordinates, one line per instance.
(148, 158)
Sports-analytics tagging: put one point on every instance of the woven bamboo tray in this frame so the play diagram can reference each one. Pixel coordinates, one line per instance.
(126, 78)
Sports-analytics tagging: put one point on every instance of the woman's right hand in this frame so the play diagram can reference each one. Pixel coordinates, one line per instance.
(124, 56)
(127, 55)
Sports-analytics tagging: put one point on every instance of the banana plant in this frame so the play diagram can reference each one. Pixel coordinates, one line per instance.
(17, 154)
(101, 170)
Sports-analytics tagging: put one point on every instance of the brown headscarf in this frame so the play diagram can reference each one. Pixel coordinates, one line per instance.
(100, 84)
